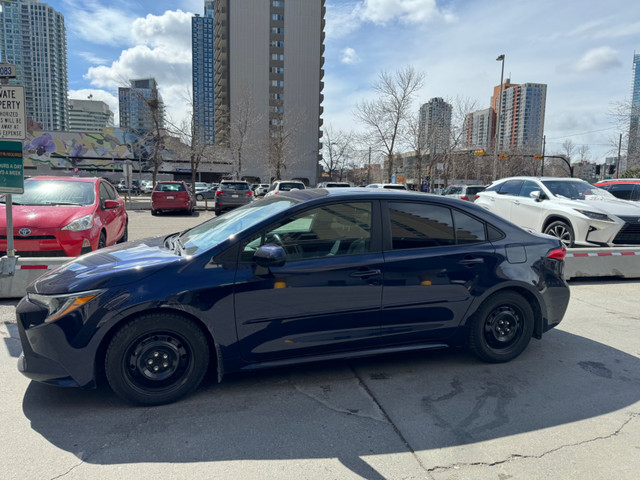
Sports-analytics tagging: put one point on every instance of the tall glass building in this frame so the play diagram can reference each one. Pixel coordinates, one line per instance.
(141, 106)
(633, 153)
(203, 82)
(33, 37)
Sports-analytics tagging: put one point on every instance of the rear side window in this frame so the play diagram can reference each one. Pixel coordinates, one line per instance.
(468, 229)
(511, 187)
(417, 225)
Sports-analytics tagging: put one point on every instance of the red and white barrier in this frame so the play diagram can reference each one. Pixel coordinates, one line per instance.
(602, 262)
(16, 276)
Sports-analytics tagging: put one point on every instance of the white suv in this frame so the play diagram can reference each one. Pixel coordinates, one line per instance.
(568, 208)
(284, 186)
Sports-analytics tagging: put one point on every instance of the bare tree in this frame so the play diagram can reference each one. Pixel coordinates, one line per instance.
(385, 117)
(418, 143)
(462, 166)
(282, 132)
(337, 150)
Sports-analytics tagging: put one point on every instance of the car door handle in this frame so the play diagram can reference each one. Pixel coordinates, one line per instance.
(469, 261)
(365, 273)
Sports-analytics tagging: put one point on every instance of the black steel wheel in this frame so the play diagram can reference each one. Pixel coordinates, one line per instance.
(562, 231)
(501, 328)
(156, 359)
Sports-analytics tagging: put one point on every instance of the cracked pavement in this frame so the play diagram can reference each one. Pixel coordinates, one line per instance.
(568, 408)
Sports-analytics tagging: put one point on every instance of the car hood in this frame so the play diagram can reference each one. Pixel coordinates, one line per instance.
(109, 267)
(44, 216)
(603, 205)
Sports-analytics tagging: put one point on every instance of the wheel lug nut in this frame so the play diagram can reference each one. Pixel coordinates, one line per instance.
(156, 368)
(150, 362)
(165, 364)
(156, 354)
(165, 356)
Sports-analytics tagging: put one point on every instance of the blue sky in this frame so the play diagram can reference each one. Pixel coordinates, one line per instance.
(581, 49)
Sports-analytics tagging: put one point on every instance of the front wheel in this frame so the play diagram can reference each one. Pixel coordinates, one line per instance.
(199, 198)
(501, 328)
(562, 231)
(156, 359)
(125, 235)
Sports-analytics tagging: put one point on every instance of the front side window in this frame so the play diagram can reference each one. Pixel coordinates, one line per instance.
(529, 187)
(333, 230)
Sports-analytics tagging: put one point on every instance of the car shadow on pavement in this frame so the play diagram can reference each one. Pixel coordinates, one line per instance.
(348, 410)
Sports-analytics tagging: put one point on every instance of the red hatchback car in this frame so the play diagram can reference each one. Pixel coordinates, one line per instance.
(171, 196)
(64, 217)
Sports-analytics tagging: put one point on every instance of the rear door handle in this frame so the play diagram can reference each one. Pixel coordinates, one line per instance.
(365, 273)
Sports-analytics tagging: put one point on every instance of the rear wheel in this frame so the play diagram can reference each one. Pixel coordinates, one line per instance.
(154, 212)
(562, 231)
(199, 198)
(501, 328)
(156, 359)
(125, 235)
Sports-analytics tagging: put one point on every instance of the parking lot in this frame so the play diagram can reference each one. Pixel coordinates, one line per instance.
(569, 407)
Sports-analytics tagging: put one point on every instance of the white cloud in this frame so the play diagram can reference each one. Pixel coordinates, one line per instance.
(90, 57)
(98, 24)
(407, 11)
(599, 59)
(163, 51)
(349, 56)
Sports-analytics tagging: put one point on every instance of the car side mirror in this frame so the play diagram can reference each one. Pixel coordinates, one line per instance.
(109, 204)
(270, 255)
(537, 195)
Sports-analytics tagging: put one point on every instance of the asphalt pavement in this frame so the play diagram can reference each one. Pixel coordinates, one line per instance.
(568, 408)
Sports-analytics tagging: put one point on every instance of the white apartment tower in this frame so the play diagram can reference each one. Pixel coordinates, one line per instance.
(268, 59)
(435, 124)
(33, 37)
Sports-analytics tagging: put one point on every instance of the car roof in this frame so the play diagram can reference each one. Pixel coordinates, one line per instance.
(617, 180)
(66, 179)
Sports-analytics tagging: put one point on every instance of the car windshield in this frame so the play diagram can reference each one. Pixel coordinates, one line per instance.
(218, 229)
(575, 189)
(54, 192)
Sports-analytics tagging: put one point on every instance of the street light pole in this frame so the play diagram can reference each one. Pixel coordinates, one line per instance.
(495, 144)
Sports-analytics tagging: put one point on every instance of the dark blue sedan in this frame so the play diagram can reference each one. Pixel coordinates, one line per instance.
(301, 276)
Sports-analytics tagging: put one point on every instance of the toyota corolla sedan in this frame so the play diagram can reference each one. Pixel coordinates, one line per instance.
(575, 211)
(302, 276)
(64, 217)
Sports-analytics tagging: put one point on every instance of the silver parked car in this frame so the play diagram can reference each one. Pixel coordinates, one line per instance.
(464, 192)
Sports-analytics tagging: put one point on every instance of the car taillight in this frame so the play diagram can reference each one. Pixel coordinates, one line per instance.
(464, 197)
(249, 192)
(475, 198)
(557, 253)
(219, 192)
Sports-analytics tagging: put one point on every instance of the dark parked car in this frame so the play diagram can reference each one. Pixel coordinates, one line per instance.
(623, 188)
(231, 194)
(299, 276)
(209, 194)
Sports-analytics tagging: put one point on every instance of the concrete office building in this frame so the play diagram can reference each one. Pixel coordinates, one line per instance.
(33, 37)
(268, 63)
(89, 116)
(202, 67)
(521, 125)
(139, 106)
(435, 124)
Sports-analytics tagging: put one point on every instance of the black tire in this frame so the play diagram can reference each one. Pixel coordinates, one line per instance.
(501, 328)
(102, 241)
(217, 211)
(156, 359)
(154, 212)
(125, 235)
(562, 231)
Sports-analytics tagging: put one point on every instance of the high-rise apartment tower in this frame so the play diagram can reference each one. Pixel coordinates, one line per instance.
(33, 37)
(268, 59)
(203, 85)
(633, 149)
(435, 124)
(141, 106)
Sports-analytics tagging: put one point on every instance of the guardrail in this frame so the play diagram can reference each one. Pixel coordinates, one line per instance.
(18, 272)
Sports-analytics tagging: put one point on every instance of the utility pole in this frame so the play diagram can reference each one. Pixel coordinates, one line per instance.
(618, 160)
(495, 146)
(369, 168)
(544, 144)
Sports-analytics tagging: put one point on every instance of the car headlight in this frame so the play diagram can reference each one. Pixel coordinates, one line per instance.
(83, 223)
(60, 305)
(595, 215)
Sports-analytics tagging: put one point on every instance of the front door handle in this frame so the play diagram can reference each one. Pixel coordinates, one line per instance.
(365, 273)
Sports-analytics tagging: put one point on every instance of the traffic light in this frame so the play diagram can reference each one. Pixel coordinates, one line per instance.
(597, 169)
(503, 156)
(537, 157)
(478, 153)
(612, 169)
